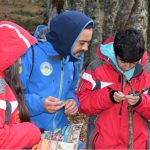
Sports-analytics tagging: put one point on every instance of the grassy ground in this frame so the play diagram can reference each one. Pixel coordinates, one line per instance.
(29, 15)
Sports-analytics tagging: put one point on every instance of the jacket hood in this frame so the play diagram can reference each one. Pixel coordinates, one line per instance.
(14, 41)
(65, 29)
(106, 52)
(40, 32)
(40, 35)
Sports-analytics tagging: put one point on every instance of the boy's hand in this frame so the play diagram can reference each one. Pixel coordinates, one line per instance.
(119, 96)
(132, 100)
(71, 107)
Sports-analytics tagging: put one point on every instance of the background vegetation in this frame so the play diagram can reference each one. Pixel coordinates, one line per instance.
(26, 13)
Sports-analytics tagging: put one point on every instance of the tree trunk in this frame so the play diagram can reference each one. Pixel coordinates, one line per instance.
(109, 16)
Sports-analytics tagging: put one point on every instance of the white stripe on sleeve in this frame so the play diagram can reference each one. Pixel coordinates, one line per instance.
(89, 78)
(105, 84)
(14, 105)
(2, 104)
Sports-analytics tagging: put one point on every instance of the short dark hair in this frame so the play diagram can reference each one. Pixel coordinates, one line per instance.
(129, 45)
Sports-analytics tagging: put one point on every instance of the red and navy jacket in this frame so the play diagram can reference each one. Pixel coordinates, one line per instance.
(112, 131)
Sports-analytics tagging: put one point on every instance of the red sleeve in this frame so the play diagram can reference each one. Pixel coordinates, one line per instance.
(144, 106)
(16, 135)
(92, 101)
(22, 135)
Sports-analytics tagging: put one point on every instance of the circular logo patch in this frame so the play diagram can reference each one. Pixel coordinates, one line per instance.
(46, 68)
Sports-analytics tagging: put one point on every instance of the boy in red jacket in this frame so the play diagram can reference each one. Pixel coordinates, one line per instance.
(112, 88)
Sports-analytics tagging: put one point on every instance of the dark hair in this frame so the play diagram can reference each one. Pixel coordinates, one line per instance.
(13, 79)
(129, 45)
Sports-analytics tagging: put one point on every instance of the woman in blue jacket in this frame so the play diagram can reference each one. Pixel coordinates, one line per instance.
(50, 69)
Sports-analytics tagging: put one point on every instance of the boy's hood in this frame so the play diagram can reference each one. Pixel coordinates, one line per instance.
(107, 52)
(65, 30)
(14, 41)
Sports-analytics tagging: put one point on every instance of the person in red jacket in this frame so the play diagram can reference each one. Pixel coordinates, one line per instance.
(115, 87)
(15, 129)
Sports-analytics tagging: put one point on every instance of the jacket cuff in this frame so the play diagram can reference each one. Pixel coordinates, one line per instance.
(138, 103)
(111, 95)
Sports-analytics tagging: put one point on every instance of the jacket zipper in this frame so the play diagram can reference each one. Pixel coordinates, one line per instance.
(61, 80)
(60, 91)
(94, 140)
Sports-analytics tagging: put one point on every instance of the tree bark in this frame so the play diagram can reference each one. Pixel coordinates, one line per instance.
(109, 17)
